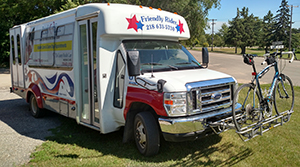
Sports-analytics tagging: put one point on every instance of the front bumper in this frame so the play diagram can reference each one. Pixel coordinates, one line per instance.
(191, 127)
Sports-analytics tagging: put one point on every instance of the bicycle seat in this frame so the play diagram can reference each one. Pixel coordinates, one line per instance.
(248, 58)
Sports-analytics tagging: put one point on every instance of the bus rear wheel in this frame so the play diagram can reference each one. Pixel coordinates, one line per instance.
(146, 134)
(34, 108)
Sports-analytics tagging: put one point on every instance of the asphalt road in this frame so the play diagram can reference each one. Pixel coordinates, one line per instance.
(234, 66)
(20, 133)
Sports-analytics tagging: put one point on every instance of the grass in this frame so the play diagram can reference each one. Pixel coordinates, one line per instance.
(75, 145)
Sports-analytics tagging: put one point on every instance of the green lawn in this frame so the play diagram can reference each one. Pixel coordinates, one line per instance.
(75, 145)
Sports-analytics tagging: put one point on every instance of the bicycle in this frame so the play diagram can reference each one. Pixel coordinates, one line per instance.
(255, 114)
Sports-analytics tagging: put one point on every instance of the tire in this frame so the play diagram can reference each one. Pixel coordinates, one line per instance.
(250, 112)
(284, 100)
(146, 134)
(34, 108)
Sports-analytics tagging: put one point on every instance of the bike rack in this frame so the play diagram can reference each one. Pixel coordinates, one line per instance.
(222, 125)
(255, 129)
(252, 130)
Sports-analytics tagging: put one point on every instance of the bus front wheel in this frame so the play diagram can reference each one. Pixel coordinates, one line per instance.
(146, 134)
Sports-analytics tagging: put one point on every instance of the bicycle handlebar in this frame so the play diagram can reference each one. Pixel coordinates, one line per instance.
(276, 54)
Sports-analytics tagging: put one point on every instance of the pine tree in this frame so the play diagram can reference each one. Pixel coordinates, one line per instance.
(282, 20)
(267, 30)
(223, 32)
(233, 38)
(244, 30)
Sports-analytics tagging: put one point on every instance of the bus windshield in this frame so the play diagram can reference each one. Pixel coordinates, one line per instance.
(157, 55)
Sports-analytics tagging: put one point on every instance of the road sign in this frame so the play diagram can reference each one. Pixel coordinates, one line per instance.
(277, 46)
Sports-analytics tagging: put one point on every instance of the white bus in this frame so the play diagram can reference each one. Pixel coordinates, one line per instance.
(114, 65)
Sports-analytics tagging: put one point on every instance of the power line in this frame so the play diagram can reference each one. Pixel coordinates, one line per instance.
(212, 34)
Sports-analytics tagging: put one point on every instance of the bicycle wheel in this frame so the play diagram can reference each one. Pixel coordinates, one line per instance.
(284, 95)
(250, 112)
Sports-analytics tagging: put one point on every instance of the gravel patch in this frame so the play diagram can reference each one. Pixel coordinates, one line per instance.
(20, 133)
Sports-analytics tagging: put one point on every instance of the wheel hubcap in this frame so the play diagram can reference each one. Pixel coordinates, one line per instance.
(33, 105)
(141, 135)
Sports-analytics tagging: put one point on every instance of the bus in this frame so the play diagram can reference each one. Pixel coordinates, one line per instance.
(114, 65)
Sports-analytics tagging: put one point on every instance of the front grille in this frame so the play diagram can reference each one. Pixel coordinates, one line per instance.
(209, 95)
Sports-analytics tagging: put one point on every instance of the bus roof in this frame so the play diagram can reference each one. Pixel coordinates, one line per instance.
(127, 20)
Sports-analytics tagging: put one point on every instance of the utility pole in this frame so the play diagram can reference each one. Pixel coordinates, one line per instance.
(290, 42)
(212, 34)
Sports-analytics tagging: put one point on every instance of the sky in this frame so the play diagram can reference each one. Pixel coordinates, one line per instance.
(259, 8)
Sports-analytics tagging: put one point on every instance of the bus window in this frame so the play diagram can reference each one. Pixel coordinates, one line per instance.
(63, 46)
(69, 29)
(12, 52)
(19, 50)
(45, 34)
(60, 30)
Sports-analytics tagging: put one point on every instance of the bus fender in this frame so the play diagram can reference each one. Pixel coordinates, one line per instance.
(35, 90)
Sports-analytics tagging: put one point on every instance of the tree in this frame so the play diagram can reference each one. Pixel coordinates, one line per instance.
(203, 41)
(218, 40)
(244, 30)
(282, 27)
(223, 32)
(268, 28)
(296, 40)
(295, 30)
(233, 37)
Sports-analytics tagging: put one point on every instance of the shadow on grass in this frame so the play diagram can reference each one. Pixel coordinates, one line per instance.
(184, 153)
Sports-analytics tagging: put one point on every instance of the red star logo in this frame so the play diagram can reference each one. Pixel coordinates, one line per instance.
(181, 27)
(132, 23)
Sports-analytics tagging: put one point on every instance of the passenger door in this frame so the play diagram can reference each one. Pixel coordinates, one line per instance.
(89, 77)
(16, 58)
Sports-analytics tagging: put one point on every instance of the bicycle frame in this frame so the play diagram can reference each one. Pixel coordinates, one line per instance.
(260, 74)
(263, 72)
(273, 84)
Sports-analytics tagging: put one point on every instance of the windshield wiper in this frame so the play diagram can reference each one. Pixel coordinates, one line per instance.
(173, 67)
(196, 63)
(193, 61)
(151, 63)
(183, 63)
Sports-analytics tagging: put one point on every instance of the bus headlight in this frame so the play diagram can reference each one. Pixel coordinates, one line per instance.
(175, 103)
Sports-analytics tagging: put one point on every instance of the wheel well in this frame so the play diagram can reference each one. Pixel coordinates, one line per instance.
(135, 108)
(28, 96)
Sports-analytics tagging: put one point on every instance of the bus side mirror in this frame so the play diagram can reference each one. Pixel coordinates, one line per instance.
(133, 62)
(205, 57)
